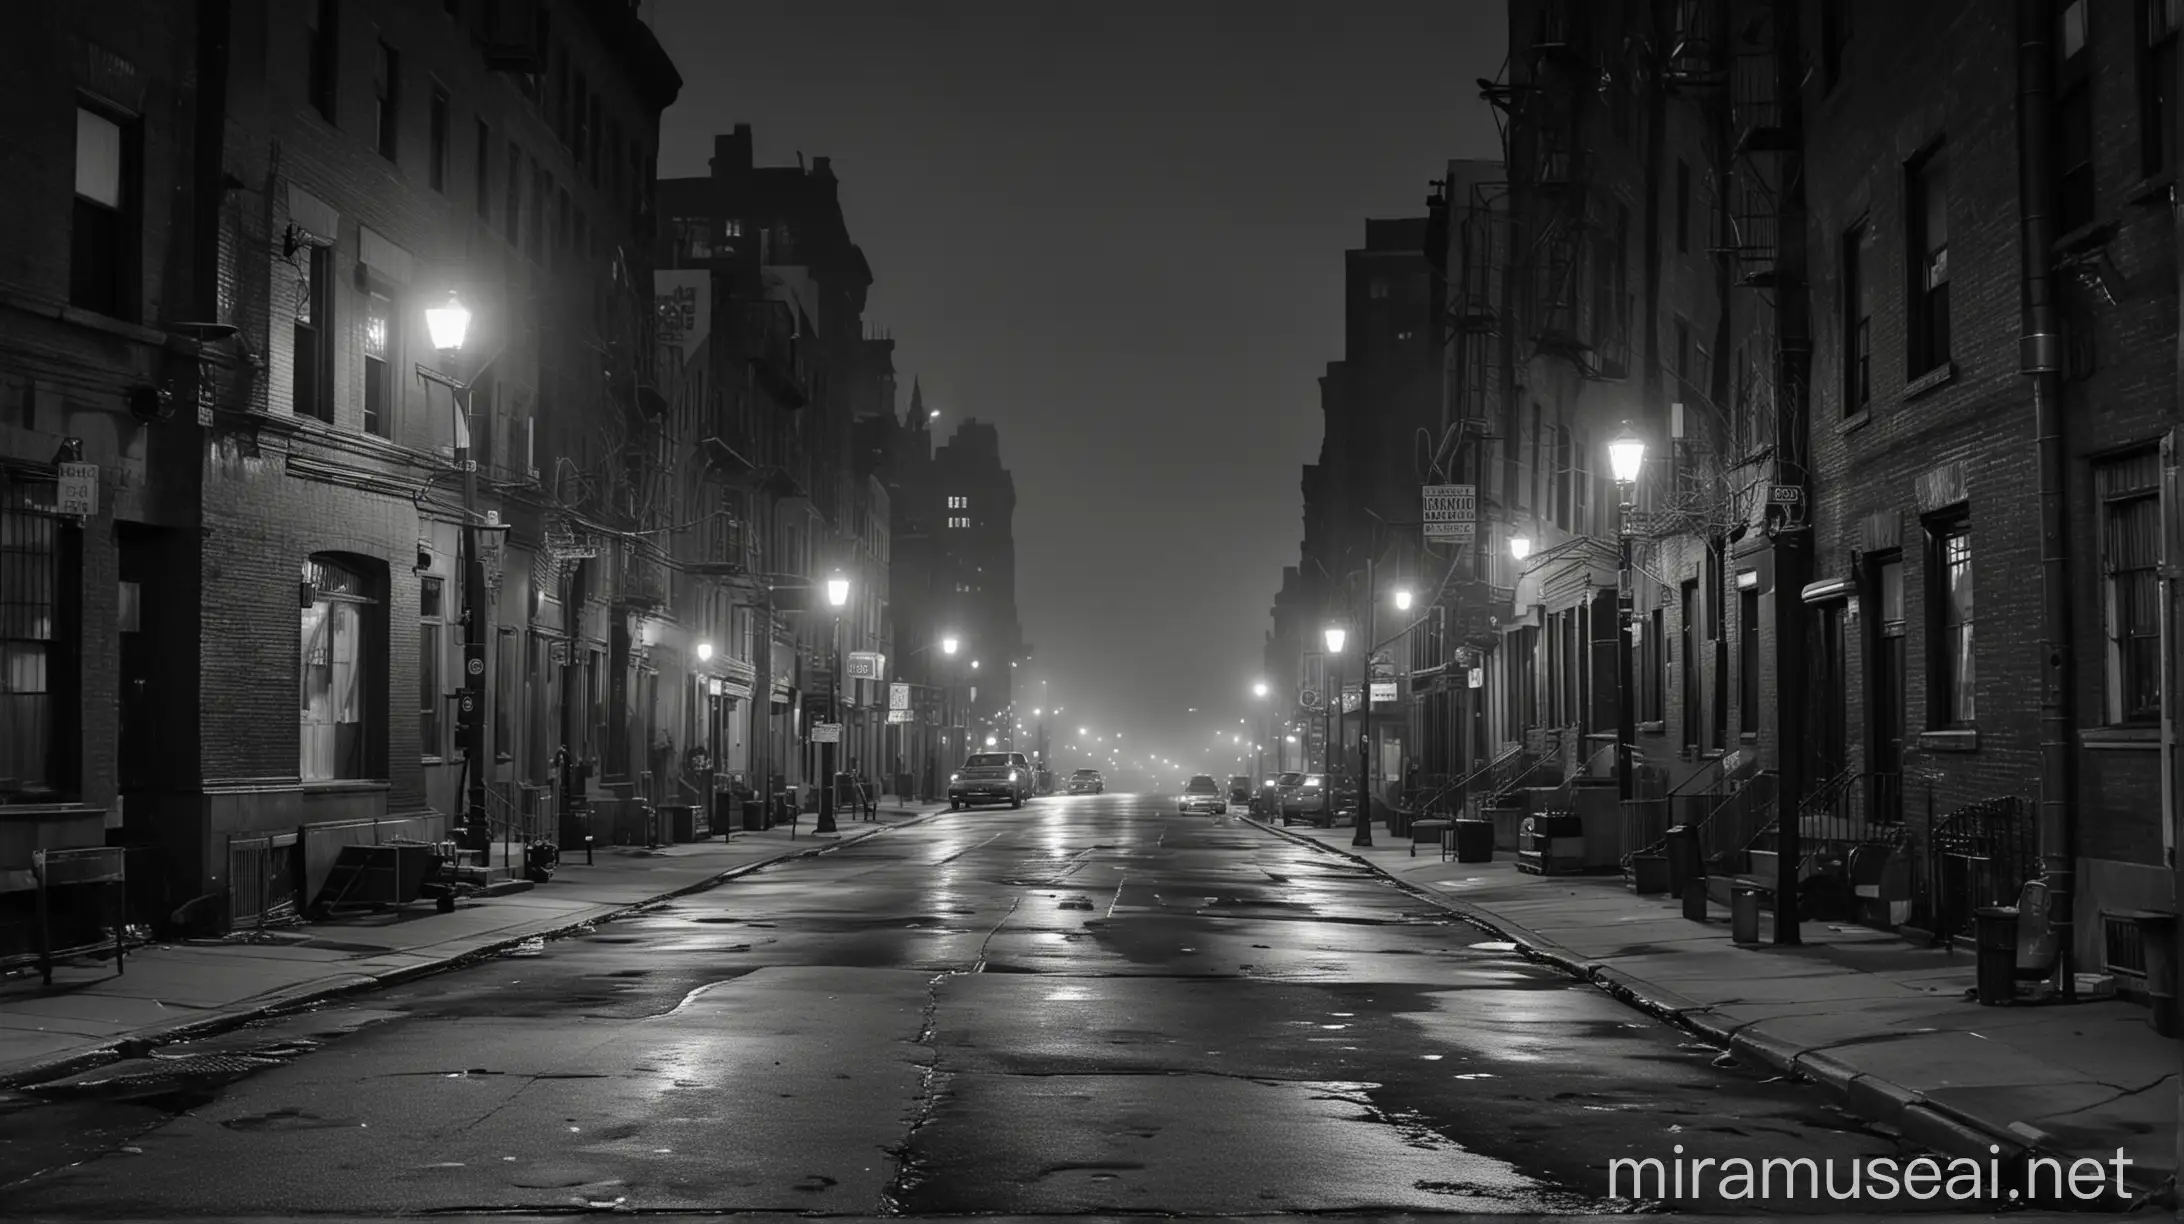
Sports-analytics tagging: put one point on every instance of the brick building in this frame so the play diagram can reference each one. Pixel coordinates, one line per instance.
(99, 354)
(974, 573)
(767, 251)
(345, 168)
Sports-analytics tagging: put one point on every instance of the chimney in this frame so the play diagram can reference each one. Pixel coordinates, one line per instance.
(822, 167)
(732, 153)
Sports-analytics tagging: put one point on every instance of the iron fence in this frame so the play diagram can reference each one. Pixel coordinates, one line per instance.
(1978, 855)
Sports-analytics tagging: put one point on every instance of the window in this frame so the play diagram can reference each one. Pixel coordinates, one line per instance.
(1655, 684)
(322, 27)
(378, 375)
(38, 634)
(594, 158)
(959, 521)
(312, 387)
(1834, 36)
(512, 210)
(1748, 659)
(1377, 289)
(387, 91)
(2159, 21)
(1683, 206)
(2073, 116)
(102, 238)
(586, 107)
(338, 653)
(2130, 491)
(1949, 697)
(1857, 320)
(483, 188)
(1683, 352)
(436, 171)
(958, 502)
(506, 663)
(541, 192)
(1928, 210)
(431, 636)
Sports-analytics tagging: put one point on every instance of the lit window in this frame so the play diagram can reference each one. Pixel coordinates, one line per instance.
(336, 666)
(1951, 704)
(104, 220)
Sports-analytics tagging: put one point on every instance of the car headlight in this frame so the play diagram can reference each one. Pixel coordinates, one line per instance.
(1012, 775)
(955, 777)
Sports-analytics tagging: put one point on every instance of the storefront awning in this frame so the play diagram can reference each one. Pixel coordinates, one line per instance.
(1567, 574)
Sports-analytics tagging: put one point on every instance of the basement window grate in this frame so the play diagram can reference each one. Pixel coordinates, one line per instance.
(2126, 949)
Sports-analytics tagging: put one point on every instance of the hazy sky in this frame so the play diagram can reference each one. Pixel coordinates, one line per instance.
(1116, 231)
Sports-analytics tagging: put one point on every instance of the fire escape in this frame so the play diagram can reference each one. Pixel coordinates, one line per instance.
(1562, 262)
(1765, 163)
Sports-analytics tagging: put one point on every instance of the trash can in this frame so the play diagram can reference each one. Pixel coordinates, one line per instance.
(1474, 841)
(1649, 874)
(2157, 937)
(1997, 941)
(1743, 914)
(1682, 848)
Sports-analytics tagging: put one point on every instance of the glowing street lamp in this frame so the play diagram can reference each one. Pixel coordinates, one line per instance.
(1402, 599)
(449, 324)
(705, 652)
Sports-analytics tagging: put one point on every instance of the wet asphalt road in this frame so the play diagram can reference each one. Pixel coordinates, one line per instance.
(1093, 1004)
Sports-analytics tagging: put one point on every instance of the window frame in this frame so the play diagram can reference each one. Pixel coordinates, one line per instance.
(1857, 295)
(387, 102)
(1944, 686)
(482, 173)
(1683, 207)
(29, 516)
(438, 136)
(1927, 342)
(367, 600)
(322, 59)
(2117, 669)
(379, 409)
(316, 289)
(104, 275)
(433, 723)
(2071, 111)
(1748, 659)
(2153, 44)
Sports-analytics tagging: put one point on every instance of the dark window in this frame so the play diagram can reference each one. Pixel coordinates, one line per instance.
(580, 120)
(1949, 699)
(1564, 477)
(312, 387)
(1656, 678)
(513, 220)
(485, 173)
(38, 636)
(560, 88)
(2130, 491)
(1928, 213)
(564, 221)
(541, 192)
(2073, 117)
(1748, 659)
(506, 664)
(378, 358)
(1683, 206)
(2159, 21)
(431, 632)
(1857, 319)
(1683, 353)
(323, 57)
(1834, 36)
(436, 172)
(596, 132)
(387, 90)
(102, 236)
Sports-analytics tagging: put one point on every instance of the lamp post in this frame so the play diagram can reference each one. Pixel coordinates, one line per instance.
(837, 596)
(1364, 822)
(449, 325)
(948, 706)
(1626, 457)
(1258, 766)
(1333, 637)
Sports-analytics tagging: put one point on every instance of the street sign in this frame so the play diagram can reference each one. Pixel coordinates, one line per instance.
(1309, 699)
(79, 491)
(898, 698)
(1785, 495)
(1478, 677)
(1383, 691)
(1452, 513)
(864, 665)
(826, 733)
(899, 715)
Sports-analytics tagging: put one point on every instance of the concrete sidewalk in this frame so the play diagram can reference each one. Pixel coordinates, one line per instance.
(1880, 1022)
(174, 990)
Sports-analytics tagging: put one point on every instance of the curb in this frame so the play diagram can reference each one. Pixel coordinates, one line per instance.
(294, 998)
(1868, 1096)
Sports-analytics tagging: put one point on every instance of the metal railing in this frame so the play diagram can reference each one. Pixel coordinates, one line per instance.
(1488, 783)
(1727, 832)
(1980, 854)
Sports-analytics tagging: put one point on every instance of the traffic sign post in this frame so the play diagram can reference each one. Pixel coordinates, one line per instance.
(1452, 513)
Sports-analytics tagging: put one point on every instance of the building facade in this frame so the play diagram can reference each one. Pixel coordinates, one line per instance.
(974, 571)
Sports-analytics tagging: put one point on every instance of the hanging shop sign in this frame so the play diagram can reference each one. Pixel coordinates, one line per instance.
(78, 496)
(865, 664)
(1452, 513)
(898, 698)
(1383, 691)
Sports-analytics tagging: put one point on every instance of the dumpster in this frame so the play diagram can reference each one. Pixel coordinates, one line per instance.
(1474, 841)
(1997, 940)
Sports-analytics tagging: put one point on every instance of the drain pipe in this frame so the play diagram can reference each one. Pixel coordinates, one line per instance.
(2040, 357)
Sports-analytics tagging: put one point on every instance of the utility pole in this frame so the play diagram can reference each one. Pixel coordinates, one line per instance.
(1363, 836)
(1792, 548)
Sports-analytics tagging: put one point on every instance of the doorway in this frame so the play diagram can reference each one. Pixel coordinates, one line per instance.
(1885, 718)
(1687, 659)
(1826, 739)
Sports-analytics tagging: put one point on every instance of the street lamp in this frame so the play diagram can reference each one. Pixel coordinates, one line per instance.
(1626, 458)
(1402, 599)
(705, 652)
(1520, 547)
(449, 324)
(837, 596)
(1333, 637)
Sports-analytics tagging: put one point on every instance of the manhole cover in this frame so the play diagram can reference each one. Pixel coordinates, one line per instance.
(156, 1074)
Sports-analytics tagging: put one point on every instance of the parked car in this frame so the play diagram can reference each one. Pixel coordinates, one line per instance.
(1267, 800)
(992, 777)
(1284, 785)
(1239, 788)
(1087, 782)
(1202, 793)
(1307, 800)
